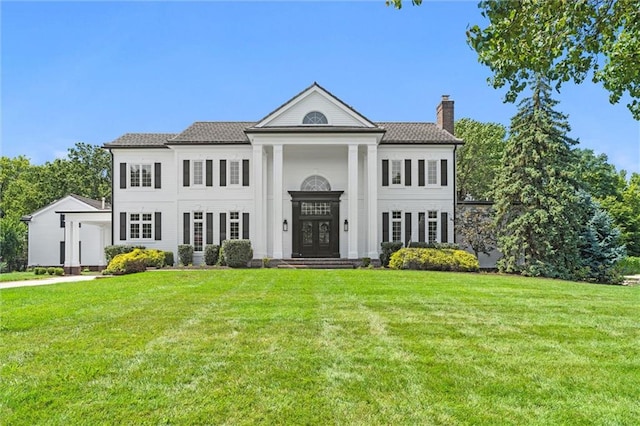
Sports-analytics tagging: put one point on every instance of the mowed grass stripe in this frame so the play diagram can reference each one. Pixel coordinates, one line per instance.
(310, 347)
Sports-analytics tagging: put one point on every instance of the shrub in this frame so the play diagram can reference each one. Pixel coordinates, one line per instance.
(38, 270)
(366, 261)
(58, 271)
(112, 251)
(51, 270)
(629, 266)
(236, 253)
(434, 260)
(387, 249)
(211, 254)
(185, 254)
(128, 263)
(168, 258)
(154, 258)
(266, 262)
(422, 244)
(4, 267)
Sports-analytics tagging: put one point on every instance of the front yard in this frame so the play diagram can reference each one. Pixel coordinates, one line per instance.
(319, 347)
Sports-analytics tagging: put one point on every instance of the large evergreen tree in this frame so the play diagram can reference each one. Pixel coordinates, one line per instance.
(538, 213)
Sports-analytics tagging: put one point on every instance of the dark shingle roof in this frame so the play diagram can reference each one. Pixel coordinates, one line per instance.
(142, 140)
(412, 132)
(93, 203)
(233, 132)
(223, 132)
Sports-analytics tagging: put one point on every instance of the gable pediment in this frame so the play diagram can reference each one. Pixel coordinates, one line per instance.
(315, 100)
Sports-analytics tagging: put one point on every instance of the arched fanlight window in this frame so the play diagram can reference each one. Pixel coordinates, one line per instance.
(315, 183)
(315, 117)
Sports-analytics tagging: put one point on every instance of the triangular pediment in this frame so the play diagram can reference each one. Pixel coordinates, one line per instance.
(315, 99)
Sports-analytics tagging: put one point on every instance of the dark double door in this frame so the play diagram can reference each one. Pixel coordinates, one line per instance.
(315, 223)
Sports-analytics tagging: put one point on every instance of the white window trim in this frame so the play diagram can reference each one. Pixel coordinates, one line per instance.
(229, 183)
(193, 173)
(400, 221)
(140, 187)
(396, 185)
(140, 223)
(193, 230)
(426, 172)
(432, 220)
(238, 221)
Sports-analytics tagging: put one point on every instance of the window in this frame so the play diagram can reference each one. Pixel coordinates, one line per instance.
(140, 175)
(198, 172)
(315, 117)
(432, 172)
(396, 172)
(396, 226)
(140, 226)
(198, 229)
(234, 172)
(315, 183)
(318, 208)
(234, 225)
(62, 222)
(432, 226)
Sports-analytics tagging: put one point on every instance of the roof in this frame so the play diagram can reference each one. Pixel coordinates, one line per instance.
(140, 140)
(235, 132)
(96, 204)
(214, 132)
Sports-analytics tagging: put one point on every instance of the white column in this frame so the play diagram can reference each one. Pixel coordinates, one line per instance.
(277, 201)
(71, 247)
(372, 200)
(258, 236)
(352, 186)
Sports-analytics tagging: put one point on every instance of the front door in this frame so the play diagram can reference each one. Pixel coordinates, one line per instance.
(316, 237)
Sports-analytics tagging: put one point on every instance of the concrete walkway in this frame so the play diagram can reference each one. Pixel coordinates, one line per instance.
(47, 281)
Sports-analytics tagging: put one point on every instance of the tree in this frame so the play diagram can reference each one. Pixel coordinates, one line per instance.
(625, 210)
(600, 246)
(478, 160)
(538, 213)
(475, 227)
(560, 40)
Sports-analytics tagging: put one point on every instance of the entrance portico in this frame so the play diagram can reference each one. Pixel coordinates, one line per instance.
(72, 248)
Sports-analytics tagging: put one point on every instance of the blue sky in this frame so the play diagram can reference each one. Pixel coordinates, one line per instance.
(91, 71)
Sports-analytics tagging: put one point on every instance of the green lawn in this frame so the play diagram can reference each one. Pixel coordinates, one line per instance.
(21, 276)
(319, 347)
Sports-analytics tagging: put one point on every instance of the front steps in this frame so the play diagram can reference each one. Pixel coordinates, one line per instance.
(315, 263)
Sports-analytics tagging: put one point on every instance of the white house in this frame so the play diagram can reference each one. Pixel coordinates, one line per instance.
(313, 178)
(71, 232)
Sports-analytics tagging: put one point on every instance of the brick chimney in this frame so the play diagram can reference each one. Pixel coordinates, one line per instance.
(444, 114)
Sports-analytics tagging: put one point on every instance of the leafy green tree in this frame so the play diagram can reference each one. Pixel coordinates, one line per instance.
(13, 235)
(598, 177)
(625, 210)
(538, 212)
(561, 40)
(478, 160)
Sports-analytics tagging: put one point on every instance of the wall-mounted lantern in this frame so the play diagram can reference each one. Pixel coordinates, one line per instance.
(285, 225)
(346, 225)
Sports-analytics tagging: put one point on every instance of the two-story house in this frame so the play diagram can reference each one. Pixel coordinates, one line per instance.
(313, 178)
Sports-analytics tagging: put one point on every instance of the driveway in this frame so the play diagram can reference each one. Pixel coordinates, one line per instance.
(47, 281)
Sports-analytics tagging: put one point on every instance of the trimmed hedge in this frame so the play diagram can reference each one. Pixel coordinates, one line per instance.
(211, 254)
(185, 254)
(112, 251)
(39, 270)
(135, 261)
(168, 258)
(419, 244)
(236, 253)
(387, 249)
(434, 260)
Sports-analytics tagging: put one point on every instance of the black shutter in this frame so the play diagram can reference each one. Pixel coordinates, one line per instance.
(123, 175)
(62, 252)
(158, 175)
(80, 252)
(245, 226)
(62, 225)
(223, 226)
(385, 173)
(444, 228)
(420, 172)
(407, 229)
(209, 225)
(123, 226)
(245, 172)
(223, 172)
(209, 172)
(443, 172)
(385, 227)
(407, 172)
(421, 227)
(185, 174)
(157, 223)
(186, 228)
